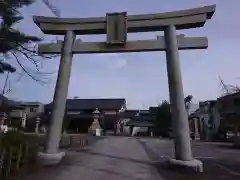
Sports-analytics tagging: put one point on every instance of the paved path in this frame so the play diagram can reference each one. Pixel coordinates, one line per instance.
(118, 158)
(220, 161)
(130, 158)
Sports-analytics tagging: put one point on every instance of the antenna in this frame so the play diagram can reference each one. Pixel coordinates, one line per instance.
(224, 86)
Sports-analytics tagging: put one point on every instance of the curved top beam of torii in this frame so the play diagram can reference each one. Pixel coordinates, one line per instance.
(183, 19)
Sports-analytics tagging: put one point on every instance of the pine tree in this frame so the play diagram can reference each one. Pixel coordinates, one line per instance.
(12, 39)
(14, 42)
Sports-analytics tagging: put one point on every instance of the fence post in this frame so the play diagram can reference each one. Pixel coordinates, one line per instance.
(19, 156)
(9, 163)
(2, 153)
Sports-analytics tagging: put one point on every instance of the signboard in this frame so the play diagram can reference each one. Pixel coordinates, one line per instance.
(116, 28)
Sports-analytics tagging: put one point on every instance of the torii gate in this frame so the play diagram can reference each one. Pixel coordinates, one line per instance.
(116, 26)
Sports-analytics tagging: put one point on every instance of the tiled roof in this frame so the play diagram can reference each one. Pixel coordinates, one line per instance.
(91, 104)
(129, 113)
(9, 103)
(153, 110)
(140, 124)
(143, 118)
(229, 96)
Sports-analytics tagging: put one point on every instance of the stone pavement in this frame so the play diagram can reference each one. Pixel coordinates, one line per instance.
(220, 161)
(131, 158)
(117, 158)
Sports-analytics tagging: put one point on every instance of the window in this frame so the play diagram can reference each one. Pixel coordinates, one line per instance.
(237, 102)
(32, 109)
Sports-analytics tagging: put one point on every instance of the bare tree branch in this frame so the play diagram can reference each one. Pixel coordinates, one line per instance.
(14, 42)
(38, 78)
(227, 88)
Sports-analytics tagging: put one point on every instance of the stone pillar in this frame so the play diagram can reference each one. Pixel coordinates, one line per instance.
(196, 129)
(24, 119)
(151, 133)
(183, 152)
(3, 128)
(52, 154)
(131, 130)
(37, 125)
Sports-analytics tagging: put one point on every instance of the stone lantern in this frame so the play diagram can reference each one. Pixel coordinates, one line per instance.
(96, 128)
(3, 128)
(3, 118)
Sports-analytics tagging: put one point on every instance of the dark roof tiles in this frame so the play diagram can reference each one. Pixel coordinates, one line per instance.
(129, 113)
(90, 104)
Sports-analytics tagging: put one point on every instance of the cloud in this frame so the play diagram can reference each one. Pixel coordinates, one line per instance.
(112, 61)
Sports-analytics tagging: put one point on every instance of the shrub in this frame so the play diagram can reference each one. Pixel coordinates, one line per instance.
(163, 120)
(16, 152)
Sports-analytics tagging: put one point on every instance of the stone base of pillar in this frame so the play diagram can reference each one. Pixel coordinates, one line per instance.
(99, 132)
(193, 165)
(48, 159)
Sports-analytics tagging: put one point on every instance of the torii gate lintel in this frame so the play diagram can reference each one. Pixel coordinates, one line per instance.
(116, 26)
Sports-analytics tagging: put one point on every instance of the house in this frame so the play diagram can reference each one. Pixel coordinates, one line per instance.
(125, 117)
(25, 114)
(128, 114)
(79, 113)
(31, 109)
(205, 120)
(229, 109)
(209, 111)
(18, 110)
(141, 123)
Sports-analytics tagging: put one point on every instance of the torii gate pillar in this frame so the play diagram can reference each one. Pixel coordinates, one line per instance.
(183, 152)
(51, 154)
(180, 122)
(118, 25)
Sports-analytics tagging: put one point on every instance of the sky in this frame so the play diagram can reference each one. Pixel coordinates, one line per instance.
(141, 78)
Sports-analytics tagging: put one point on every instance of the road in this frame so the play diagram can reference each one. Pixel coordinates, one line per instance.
(129, 158)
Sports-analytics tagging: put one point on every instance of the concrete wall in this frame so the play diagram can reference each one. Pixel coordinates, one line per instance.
(110, 112)
(66, 139)
(216, 119)
(137, 130)
(126, 130)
